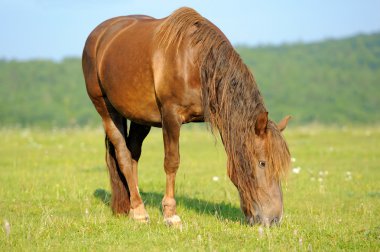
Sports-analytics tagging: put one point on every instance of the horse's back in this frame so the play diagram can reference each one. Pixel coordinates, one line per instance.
(137, 76)
(120, 51)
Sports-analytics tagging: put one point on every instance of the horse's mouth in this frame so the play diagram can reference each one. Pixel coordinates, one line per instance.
(264, 221)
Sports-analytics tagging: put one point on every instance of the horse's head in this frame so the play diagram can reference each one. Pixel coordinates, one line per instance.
(259, 181)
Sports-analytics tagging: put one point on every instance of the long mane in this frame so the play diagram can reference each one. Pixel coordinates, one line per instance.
(231, 98)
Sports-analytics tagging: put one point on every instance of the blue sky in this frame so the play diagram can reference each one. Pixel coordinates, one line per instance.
(53, 29)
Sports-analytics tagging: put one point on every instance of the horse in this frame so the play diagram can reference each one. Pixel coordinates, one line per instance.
(176, 70)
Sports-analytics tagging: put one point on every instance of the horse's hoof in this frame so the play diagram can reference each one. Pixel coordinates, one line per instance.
(173, 221)
(141, 218)
(139, 214)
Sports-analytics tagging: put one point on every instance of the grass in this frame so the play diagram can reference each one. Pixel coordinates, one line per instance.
(54, 191)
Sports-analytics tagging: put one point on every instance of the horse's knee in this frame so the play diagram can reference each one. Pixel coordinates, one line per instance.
(171, 164)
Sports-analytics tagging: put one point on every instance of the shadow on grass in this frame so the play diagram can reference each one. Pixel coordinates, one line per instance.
(219, 210)
(103, 195)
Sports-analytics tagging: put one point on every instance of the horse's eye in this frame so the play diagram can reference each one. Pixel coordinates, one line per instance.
(262, 164)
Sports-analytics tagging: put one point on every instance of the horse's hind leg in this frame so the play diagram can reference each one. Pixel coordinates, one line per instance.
(120, 202)
(119, 159)
(136, 136)
(113, 125)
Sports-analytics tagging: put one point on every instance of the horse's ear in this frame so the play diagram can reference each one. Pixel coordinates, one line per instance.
(282, 125)
(261, 123)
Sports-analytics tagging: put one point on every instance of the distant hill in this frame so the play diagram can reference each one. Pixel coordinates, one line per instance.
(44, 93)
(330, 82)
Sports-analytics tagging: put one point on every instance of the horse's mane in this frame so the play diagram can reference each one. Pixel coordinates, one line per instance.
(231, 98)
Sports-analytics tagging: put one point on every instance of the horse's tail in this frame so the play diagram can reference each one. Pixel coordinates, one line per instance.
(120, 201)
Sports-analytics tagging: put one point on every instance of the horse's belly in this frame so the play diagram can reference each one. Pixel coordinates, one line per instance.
(137, 107)
(135, 100)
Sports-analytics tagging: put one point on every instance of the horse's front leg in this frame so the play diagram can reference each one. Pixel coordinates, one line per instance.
(171, 125)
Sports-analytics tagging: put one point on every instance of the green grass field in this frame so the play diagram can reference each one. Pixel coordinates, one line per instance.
(54, 192)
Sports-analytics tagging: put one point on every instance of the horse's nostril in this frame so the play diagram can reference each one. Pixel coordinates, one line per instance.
(250, 221)
(265, 221)
(275, 221)
(257, 219)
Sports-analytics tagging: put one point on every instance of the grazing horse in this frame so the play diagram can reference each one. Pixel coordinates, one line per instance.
(176, 70)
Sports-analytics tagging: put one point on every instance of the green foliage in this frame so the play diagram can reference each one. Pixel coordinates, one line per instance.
(44, 93)
(55, 189)
(331, 82)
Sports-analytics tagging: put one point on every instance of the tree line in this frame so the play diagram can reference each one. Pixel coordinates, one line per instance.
(334, 82)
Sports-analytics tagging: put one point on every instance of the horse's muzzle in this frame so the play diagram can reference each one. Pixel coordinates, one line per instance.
(265, 221)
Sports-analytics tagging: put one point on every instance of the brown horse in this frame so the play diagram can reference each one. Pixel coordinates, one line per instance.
(176, 70)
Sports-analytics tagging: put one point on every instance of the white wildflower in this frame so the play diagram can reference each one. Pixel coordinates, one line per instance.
(199, 238)
(296, 170)
(261, 231)
(215, 178)
(348, 176)
(7, 227)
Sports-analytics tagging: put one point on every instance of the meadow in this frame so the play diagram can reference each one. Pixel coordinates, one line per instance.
(54, 194)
